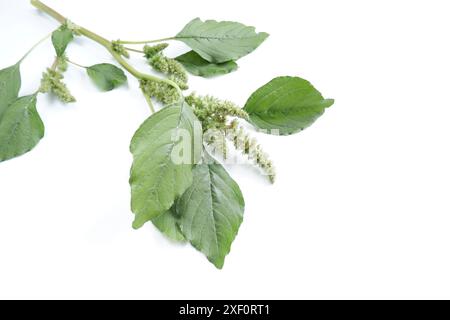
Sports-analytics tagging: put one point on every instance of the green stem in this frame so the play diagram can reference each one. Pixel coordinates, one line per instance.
(149, 101)
(76, 64)
(34, 47)
(147, 41)
(54, 64)
(108, 46)
(134, 50)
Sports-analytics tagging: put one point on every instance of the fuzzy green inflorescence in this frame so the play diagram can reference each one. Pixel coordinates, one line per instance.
(250, 147)
(213, 112)
(52, 81)
(214, 115)
(168, 66)
(150, 51)
(161, 91)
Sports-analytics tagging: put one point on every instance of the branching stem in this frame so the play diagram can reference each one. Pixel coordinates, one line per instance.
(108, 46)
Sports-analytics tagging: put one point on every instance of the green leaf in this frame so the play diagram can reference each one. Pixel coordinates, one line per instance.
(61, 39)
(167, 224)
(287, 104)
(198, 66)
(10, 83)
(159, 173)
(211, 211)
(21, 128)
(220, 41)
(107, 76)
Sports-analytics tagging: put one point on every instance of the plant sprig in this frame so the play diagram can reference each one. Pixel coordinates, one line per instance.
(176, 181)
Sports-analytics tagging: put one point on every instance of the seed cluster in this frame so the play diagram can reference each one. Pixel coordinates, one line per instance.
(163, 92)
(214, 115)
(213, 112)
(250, 147)
(172, 68)
(52, 81)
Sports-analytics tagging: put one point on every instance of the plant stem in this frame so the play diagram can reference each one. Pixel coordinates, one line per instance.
(134, 50)
(149, 101)
(76, 64)
(54, 64)
(34, 47)
(148, 41)
(108, 46)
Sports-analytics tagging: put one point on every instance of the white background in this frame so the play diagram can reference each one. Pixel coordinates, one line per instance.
(361, 206)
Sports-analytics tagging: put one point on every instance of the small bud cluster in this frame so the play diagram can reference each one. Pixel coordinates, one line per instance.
(76, 29)
(120, 49)
(168, 66)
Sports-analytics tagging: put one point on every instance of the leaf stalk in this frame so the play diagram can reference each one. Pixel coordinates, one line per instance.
(34, 47)
(146, 41)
